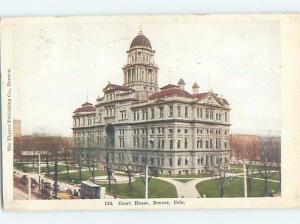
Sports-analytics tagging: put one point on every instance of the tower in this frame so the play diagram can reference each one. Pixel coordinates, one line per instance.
(140, 72)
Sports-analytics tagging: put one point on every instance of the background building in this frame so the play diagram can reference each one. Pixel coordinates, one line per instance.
(172, 130)
(17, 131)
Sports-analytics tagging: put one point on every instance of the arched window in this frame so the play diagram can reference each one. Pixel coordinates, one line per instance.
(186, 162)
(179, 162)
(206, 144)
(201, 143)
(198, 161)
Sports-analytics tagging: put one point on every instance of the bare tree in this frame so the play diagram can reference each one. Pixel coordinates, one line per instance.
(221, 168)
(269, 160)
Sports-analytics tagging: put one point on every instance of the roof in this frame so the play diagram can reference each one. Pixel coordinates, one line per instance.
(140, 40)
(195, 85)
(181, 82)
(171, 92)
(90, 184)
(86, 107)
(200, 95)
(117, 87)
(169, 86)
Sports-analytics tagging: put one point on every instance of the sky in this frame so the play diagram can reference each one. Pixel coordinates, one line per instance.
(59, 63)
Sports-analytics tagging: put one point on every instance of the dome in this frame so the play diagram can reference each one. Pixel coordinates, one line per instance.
(140, 40)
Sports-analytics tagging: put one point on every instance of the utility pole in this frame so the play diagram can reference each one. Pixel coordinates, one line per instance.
(146, 185)
(245, 181)
(55, 185)
(94, 171)
(29, 188)
(39, 167)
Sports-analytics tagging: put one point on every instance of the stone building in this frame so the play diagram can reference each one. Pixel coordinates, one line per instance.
(174, 131)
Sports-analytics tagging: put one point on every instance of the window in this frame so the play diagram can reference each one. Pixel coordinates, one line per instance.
(206, 114)
(178, 130)
(171, 143)
(179, 111)
(211, 143)
(186, 111)
(121, 142)
(170, 131)
(152, 131)
(145, 114)
(185, 143)
(225, 144)
(211, 114)
(179, 162)
(123, 114)
(136, 115)
(162, 143)
(198, 161)
(186, 162)
(206, 144)
(171, 111)
(170, 161)
(152, 113)
(178, 144)
(161, 112)
(151, 144)
(186, 131)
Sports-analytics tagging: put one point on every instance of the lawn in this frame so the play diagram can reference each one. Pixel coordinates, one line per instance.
(157, 189)
(74, 177)
(234, 187)
(254, 167)
(25, 168)
(183, 180)
(271, 176)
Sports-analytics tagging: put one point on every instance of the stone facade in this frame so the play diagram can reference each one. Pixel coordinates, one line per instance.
(174, 131)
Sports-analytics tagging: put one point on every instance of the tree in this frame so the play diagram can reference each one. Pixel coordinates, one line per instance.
(247, 151)
(221, 167)
(269, 160)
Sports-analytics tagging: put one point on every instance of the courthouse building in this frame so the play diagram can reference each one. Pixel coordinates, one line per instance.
(172, 130)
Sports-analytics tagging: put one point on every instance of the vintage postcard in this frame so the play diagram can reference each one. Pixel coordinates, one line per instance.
(150, 112)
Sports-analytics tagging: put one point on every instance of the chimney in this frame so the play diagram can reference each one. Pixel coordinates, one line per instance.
(195, 88)
(181, 84)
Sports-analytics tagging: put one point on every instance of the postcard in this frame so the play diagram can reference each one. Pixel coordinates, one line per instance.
(150, 112)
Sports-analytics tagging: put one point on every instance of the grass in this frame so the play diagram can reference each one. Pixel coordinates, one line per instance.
(234, 187)
(253, 166)
(157, 189)
(74, 177)
(235, 171)
(183, 180)
(271, 176)
(35, 169)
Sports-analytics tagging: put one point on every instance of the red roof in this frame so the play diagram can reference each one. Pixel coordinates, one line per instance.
(200, 95)
(118, 87)
(86, 107)
(171, 92)
(169, 86)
